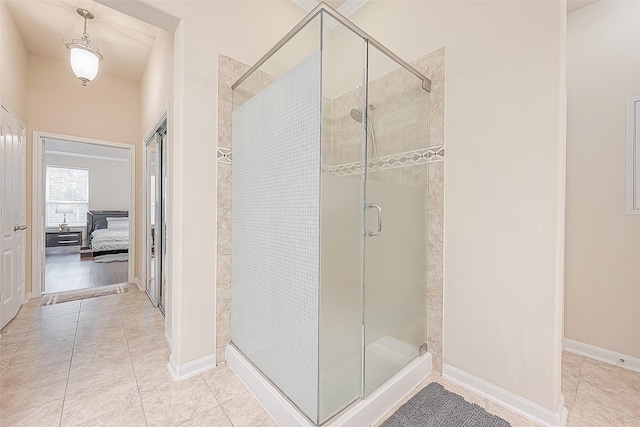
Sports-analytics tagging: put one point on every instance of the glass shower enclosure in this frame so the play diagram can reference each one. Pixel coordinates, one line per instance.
(329, 211)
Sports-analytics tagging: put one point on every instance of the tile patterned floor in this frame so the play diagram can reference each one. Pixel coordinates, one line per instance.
(102, 362)
(598, 394)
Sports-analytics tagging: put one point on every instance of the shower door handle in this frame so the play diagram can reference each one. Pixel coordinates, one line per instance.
(379, 209)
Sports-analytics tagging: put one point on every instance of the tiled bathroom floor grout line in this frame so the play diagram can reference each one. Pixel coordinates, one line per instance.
(126, 337)
(217, 401)
(575, 397)
(73, 349)
(33, 318)
(13, 353)
(615, 410)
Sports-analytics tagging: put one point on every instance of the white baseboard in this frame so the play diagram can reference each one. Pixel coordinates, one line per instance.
(607, 356)
(365, 412)
(507, 399)
(190, 369)
(27, 297)
(138, 283)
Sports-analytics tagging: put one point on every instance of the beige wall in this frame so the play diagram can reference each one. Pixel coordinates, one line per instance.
(13, 65)
(156, 85)
(106, 109)
(603, 243)
(156, 96)
(505, 172)
(244, 39)
(109, 180)
(504, 181)
(205, 29)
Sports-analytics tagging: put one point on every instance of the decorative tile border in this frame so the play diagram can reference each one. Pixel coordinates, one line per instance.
(437, 153)
(409, 158)
(224, 155)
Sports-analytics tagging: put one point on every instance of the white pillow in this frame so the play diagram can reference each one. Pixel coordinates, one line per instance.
(118, 223)
(118, 226)
(117, 219)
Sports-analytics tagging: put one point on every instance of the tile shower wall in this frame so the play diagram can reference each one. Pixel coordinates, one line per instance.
(229, 71)
(433, 66)
(337, 152)
(276, 189)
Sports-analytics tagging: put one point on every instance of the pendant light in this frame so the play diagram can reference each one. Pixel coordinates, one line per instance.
(84, 56)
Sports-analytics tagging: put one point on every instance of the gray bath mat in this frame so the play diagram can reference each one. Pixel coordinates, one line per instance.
(434, 406)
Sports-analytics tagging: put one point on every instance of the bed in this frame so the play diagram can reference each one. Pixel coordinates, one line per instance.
(108, 232)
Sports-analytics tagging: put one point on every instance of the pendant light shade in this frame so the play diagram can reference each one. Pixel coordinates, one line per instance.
(85, 57)
(84, 64)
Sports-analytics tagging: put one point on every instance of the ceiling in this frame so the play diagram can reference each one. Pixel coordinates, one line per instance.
(345, 7)
(578, 4)
(125, 42)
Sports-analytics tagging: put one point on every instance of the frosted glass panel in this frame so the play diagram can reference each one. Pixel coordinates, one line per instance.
(276, 241)
(341, 220)
(341, 294)
(395, 269)
(395, 256)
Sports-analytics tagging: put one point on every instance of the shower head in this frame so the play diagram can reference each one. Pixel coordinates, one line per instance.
(356, 114)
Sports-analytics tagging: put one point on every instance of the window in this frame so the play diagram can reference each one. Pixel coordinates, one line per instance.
(67, 190)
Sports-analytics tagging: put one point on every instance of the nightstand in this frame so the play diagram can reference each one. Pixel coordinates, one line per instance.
(63, 238)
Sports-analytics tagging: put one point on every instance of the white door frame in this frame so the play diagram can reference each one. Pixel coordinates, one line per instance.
(37, 209)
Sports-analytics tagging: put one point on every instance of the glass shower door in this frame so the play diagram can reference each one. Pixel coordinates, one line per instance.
(395, 235)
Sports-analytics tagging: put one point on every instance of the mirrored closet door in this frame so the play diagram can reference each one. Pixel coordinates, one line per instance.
(156, 217)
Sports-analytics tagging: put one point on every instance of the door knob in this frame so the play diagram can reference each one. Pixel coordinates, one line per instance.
(19, 227)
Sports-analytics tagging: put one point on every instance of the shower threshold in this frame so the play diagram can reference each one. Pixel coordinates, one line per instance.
(364, 412)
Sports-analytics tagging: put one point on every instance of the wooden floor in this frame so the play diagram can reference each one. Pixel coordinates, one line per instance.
(64, 271)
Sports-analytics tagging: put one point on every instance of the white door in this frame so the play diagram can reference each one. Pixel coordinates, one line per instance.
(12, 216)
